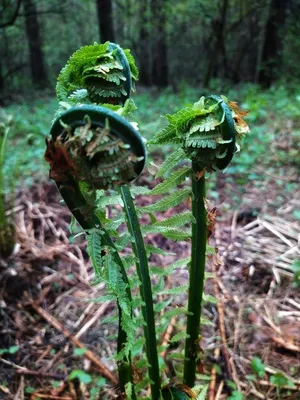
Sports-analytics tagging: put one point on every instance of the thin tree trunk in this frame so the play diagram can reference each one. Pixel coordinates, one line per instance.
(159, 46)
(144, 44)
(271, 53)
(105, 18)
(36, 56)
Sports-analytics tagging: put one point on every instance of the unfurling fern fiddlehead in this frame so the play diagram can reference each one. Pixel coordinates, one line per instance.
(92, 147)
(208, 134)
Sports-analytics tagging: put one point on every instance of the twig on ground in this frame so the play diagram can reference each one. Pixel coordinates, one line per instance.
(167, 336)
(88, 354)
(221, 319)
(97, 315)
(20, 393)
(212, 385)
(36, 396)
(285, 344)
(254, 391)
(219, 391)
(25, 371)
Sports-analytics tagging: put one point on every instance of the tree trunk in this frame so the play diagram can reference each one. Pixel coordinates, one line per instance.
(36, 56)
(159, 45)
(144, 44)
(272, 46)
(105, 18)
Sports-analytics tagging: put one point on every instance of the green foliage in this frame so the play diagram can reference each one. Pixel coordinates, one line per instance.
(94, 250)
(280, 380)
(169, 201)
(296, 270)
(236, 395)
(172, 181)
(10, 350)
(209, 132)
(258, 367)
(100, 73)
(7, 229)
(82, 376)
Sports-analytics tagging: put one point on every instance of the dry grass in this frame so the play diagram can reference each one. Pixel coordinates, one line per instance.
(46, 310)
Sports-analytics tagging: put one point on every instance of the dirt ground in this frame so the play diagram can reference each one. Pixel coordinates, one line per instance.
(46, 309)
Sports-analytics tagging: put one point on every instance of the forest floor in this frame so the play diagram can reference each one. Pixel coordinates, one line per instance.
(48, 320)
(51, 323)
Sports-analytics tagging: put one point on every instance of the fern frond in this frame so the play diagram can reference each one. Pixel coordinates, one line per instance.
(150, 249)
(168, 232)
(94, 250)
(133, 68)
(115, 283)
(169, 201)
(103, 200)
(170, 268)
(171, 161)
(176, 311)
(178, 336)
(167, 135)
(176, 290)
(176, 220)
(172, 181)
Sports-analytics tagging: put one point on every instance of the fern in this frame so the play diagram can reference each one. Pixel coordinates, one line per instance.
(169, 201)
(176, 220)
(171, 161)
(105, 71)
(172, 181)
(94, 249)
(178, 336)
(168, 232)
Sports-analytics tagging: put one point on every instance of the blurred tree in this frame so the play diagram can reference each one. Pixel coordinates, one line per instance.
(105, 17)
(36, 56)
(144, 43)
(159, 43)
(272, 45)
(6, 8)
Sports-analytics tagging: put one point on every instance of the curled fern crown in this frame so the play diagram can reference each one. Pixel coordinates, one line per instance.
(90, 140)
(100, 73)
(209, 132)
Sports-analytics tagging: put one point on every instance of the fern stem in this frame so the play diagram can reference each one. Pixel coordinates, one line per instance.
(145, 291)
(76, 201)
(196, 282)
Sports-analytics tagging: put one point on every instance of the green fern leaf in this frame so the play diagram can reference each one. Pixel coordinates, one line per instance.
(171, 161)
(203, 393)
(208, 298)
(169, 201)
(170, 268)
(172, 181)
(176, 290)
(168, 232)
(150, 249)
(176, 356)
(103, 200)
(94, 250)
(174, 312)
(133, 68)
(179, 336)
(167, 135)
(176, 220)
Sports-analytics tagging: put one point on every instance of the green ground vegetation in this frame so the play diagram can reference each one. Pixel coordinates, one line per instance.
(273, 142)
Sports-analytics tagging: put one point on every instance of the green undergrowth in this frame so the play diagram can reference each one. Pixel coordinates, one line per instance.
(272, 143)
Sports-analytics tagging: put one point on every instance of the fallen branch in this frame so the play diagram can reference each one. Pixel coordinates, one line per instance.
(287, 345)
(88, 354)
(25, 371)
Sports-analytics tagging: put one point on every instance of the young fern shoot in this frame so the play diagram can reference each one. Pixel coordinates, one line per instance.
(94, 153)
(208, 134)
(92, 147)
